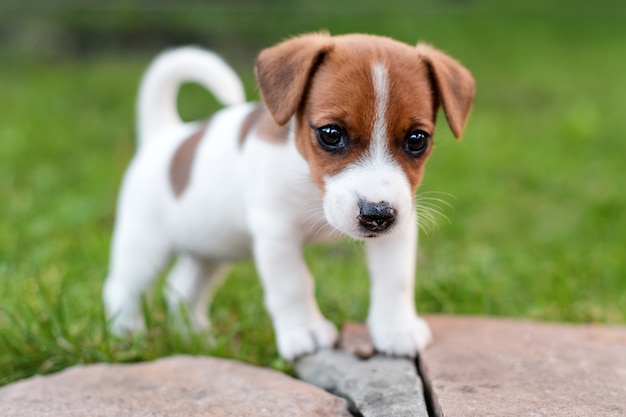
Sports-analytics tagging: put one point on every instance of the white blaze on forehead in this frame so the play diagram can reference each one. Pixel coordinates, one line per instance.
(378, 145)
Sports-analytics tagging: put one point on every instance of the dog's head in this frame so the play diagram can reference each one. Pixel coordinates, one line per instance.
(365, 110)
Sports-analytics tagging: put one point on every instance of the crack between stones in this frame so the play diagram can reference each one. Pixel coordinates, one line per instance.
(352, 407)
(430, 398)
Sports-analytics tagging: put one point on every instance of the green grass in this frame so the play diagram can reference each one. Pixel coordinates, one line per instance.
(537, 187)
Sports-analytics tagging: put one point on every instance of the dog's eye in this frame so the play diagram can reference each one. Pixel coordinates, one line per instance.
(331, 138)
(416, 142)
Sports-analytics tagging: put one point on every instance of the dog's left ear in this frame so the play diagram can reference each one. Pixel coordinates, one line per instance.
(283, 72)
(454, 85)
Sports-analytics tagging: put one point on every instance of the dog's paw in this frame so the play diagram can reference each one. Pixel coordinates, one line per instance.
(122, 323)
(295, 341)
(401, 338)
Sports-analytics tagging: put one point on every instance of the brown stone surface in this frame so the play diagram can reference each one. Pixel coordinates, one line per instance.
(496, 367)
(176, 386)
(355, 339)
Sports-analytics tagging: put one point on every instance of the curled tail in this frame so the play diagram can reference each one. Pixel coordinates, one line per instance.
(156, 104)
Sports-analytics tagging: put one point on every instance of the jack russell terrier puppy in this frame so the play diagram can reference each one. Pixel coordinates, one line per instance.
(337, 147)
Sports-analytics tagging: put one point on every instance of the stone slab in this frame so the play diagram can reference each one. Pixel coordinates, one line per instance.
(173, 387)
(355, 339)
(497, 367)
(377, 387)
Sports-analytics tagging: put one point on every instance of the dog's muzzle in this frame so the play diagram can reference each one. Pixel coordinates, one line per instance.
(376, 217)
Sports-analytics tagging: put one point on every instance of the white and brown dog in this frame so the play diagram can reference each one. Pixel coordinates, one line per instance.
(337, 147)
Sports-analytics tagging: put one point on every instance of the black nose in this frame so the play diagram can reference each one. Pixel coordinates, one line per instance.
(376, 217)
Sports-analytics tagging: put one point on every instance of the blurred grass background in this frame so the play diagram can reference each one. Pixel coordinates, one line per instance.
(537, 185)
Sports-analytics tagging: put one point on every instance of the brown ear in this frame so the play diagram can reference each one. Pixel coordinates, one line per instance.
(283, 71)
(454, 84)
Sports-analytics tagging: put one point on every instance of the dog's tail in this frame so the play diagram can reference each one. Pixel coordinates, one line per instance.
(156, 104)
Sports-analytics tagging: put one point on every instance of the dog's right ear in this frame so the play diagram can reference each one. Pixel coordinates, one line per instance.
(283, 71)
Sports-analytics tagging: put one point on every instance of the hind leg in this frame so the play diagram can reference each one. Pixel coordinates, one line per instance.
(138, 255)
(191, 285)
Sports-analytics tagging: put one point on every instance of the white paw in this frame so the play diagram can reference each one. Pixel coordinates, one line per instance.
(124, 319)
(402, 337)
(295, 341)
(124, 324)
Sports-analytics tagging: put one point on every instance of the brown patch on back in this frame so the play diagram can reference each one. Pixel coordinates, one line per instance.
(263, 124)
(182, 161)
(250, 120)
(270, 131)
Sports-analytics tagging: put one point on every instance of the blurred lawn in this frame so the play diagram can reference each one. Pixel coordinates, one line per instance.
(537, 184)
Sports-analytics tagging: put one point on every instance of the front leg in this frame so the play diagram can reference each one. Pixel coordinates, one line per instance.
(394, 325)
(289, 297)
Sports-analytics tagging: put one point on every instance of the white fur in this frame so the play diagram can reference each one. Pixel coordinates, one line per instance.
(378, 149)
(394, 325)
(258, 201)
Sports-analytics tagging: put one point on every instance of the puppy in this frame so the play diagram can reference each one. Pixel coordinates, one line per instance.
(337, 147)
